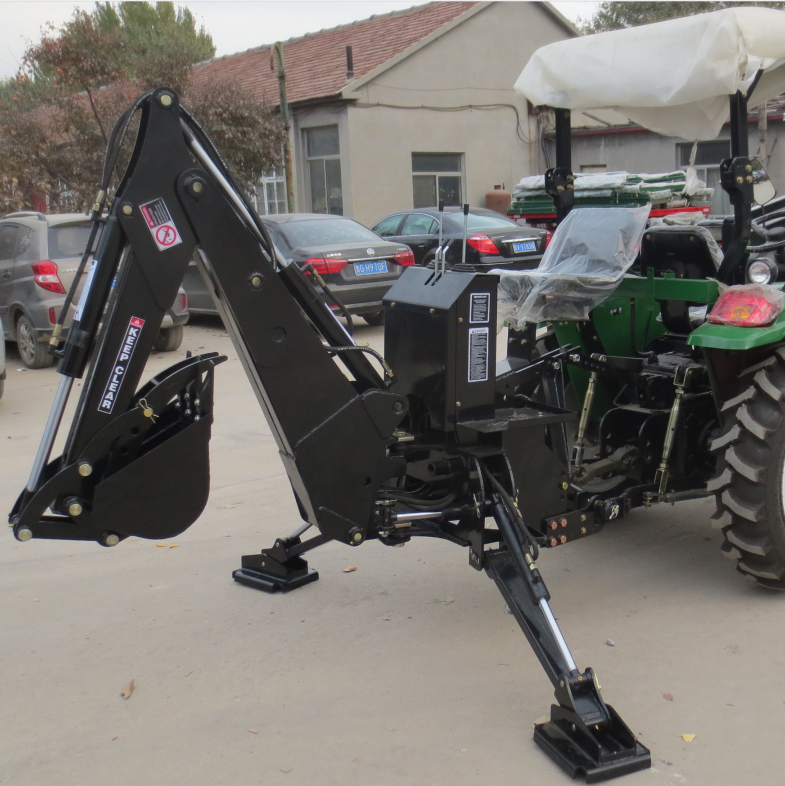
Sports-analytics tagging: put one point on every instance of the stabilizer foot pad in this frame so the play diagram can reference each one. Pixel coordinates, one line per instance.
(566, 746)
(267, 582)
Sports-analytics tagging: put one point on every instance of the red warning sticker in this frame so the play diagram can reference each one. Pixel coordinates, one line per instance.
(161, 225)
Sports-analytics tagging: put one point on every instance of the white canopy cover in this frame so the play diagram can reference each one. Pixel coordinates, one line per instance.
(673, 77)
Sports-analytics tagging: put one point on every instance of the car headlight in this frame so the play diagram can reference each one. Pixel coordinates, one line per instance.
(762, 271)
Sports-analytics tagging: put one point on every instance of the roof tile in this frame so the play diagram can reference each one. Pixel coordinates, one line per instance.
(316, 63)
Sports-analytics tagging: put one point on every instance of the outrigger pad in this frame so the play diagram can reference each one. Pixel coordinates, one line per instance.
(268, 574)
(596, 755)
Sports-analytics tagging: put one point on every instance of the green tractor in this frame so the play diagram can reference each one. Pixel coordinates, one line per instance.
(672, 350)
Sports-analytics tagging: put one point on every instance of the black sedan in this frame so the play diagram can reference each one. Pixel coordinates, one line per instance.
(356, 264)
(493, 240)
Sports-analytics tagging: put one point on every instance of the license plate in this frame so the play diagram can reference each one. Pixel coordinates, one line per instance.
(526, 245)
(369, 268)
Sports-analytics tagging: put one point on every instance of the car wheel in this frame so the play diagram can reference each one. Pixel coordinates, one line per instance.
(34, 354)
(375, 319)
(169, 339)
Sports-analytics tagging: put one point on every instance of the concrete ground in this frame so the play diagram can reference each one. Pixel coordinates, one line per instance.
(405, 671)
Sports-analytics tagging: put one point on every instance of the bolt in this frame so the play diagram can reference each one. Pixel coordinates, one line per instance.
(85, 469)
(739, 180)
(561, 683)
(431, 310)
(563, 539)
(524, 341)
(554, 525)
(165, 99)
(24, 534)
(460, 319)
(574, 727)
(127, 210)
(256, 280)
(111, 539)
(554, 542)
(583, 530)
(392, 305)
(565, 485)
(583, 517)
(564, 522)
(555, 366)
(197, 186)
(74, 509)
(748, 167)
(749, 178)
(397, 406)
(457, 403)
(355, 536)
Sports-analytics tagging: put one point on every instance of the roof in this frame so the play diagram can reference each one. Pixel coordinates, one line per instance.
(374, 41)
(643, 72)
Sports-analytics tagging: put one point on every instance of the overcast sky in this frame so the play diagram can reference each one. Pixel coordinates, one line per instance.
(234, 25)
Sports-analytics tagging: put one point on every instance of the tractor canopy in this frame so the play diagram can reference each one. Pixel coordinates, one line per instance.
(672, 77)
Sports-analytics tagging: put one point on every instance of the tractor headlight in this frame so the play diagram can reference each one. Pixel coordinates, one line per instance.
(762, 271)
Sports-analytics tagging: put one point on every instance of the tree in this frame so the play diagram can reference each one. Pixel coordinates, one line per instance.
(616, 15)
(57, 113)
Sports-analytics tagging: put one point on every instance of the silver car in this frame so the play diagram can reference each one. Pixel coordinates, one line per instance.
(39, 255)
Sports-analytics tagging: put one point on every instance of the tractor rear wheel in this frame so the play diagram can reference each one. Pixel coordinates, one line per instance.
(750, 482)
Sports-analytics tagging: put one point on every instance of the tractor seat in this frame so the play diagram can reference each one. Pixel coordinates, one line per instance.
(687, 252)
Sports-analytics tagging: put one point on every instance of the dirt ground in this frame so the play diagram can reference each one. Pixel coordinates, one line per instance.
(405, 671)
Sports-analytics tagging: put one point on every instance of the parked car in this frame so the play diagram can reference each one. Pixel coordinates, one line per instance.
(2, 360)
(39, 255)
(493, 239)
(354, 262)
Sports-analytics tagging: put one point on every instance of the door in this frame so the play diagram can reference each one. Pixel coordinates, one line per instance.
(420, 233)
(8, 235)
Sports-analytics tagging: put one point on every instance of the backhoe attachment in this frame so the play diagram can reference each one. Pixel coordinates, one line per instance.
(430, 443)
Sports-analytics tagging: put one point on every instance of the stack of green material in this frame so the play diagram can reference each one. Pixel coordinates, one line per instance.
(608, 189)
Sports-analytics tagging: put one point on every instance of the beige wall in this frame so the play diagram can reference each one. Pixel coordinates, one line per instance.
(477, 62)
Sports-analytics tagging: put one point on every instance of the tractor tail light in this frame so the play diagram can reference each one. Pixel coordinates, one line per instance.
(185, 301)
(751, 305)
(404, 258)
(483, 244)
(45, 275)
(326, 266)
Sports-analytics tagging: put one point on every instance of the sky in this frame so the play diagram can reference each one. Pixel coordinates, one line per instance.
(234, 26)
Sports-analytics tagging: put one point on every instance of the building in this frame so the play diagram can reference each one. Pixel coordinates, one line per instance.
(402, 109)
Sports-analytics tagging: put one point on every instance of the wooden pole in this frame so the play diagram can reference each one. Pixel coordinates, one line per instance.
(284, 104)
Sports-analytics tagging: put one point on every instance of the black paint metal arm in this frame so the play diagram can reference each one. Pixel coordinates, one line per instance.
(560, 181)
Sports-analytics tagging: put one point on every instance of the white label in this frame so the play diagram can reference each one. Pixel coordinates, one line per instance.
(478, 354)
(480, 308)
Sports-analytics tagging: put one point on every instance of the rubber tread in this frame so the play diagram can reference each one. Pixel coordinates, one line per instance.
(748, 486)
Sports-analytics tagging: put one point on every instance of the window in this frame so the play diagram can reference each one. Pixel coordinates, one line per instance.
(27, 248)
(324, 169)
(68, 240)
(388, 226)
(270, 196)
(418, 224)
(437, 176)
(324, 231)
(707, 164)
(8, 234)
(593, 168)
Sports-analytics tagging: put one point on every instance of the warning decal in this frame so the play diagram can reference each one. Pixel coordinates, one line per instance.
(478, 354)
(161, 225)
(480, 307)
(112, 388)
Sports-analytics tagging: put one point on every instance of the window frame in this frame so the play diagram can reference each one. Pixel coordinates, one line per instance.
(459, 173)
(323, 158)
(720, 199)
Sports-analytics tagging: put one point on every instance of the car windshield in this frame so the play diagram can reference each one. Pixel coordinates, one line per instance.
(68, 240)
(325, 231)
(483, 222)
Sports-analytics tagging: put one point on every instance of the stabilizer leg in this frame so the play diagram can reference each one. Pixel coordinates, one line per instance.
(281, 568)
(584, 736)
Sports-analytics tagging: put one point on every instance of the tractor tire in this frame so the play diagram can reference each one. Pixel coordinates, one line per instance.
(169, 339)
(750, 482)
(34, 354)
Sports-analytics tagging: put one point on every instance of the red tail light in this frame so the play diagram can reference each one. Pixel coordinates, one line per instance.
(483, 244)
(548, 237)
(747, 306)
(185, 301)
(405, 258)
(45, 275)
(325, 266)
(52, 317)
